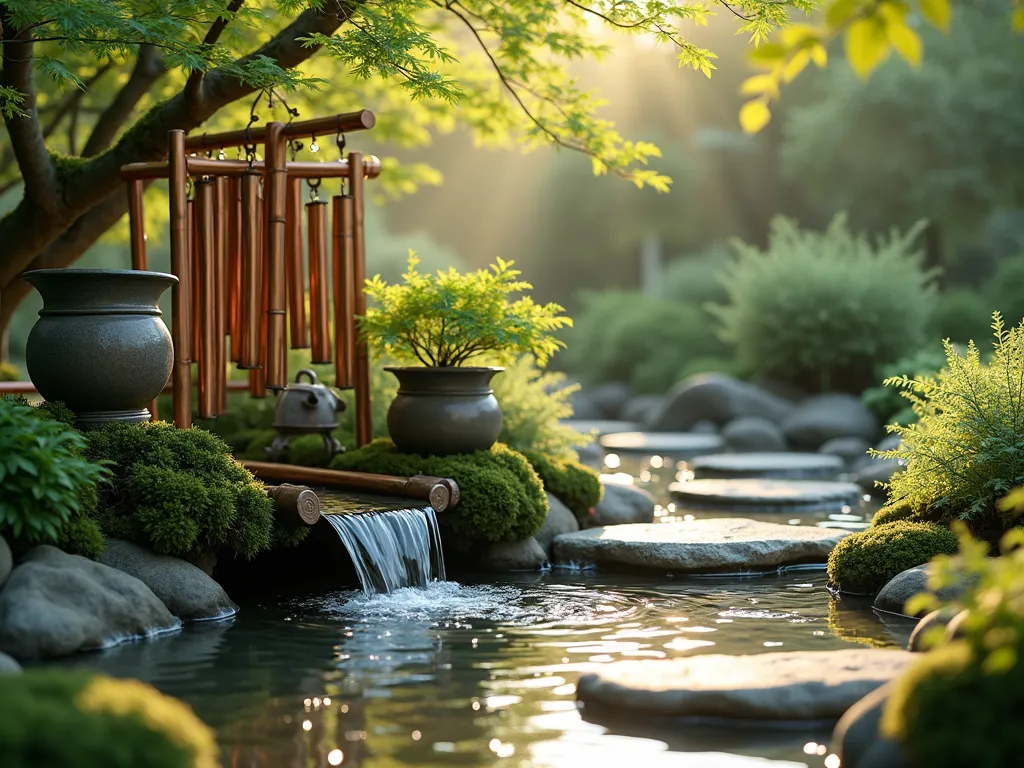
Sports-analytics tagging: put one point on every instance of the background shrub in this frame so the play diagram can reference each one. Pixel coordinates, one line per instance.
(886, 402)
(9, 371)
(866, 561)
(502, 497)
(178, 491)
(576, 486)
(640, 340)
(696, 278)
(51, 717)
(823, 309)
(961, 315)
(48, 486)
(966, 450)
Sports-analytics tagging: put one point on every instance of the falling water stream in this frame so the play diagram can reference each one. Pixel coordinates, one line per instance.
(392, 549)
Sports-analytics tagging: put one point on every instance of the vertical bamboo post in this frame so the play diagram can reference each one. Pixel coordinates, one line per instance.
(234, 289)
(293, 261)
(277, 179)
(206, 290)
(249, 346)
(180, 293)
(220, 277)
(319, 297)
(364, 424)
(341, 247)
(137, 237)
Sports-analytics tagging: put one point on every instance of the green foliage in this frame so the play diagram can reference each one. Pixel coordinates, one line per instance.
(947, 708)
(823, 310)
(573, 484)
(57, 411)
(9, 371)
(891, 513)
(43, 475)
(966, 450)
(643, 341)
(448, 318)
(179, 492)
(51, 717)
(866, 561)
(886, 402)
(502, 497)
(533, 402)
(961, 315)
(696, 278)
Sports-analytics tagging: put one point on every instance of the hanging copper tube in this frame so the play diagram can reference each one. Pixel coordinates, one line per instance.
(137, 237)
(258, 376)
(276, 180)
(180, 293)
(193, 260)
(364, 423)
(251, 273)
(299, 338)
(319, 296)
(234, 289)
(206, 288)
(344, 298)
(220, 283)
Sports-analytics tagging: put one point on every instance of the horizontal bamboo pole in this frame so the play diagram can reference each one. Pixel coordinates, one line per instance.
(442, 493)
(201, 166)
(363, 120)
(294, 505)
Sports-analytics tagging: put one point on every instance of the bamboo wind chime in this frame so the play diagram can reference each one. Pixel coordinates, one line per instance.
(237, 250)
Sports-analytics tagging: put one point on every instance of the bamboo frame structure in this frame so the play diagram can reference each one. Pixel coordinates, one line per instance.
(239, 262)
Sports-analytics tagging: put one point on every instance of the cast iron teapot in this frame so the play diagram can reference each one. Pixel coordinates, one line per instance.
(304, 409)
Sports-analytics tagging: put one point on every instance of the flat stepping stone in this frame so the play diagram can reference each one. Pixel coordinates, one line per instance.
(729, 545)
(602, 427)
(801, 685)
(679, 445)
(759, 495)
(778, 466)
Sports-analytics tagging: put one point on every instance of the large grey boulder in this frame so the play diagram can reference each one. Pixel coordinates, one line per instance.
(718, 398)
(903, 586)
(850, 449)
(754, 434)
(622, 504)
(8, 666)
(525, 555)
(801, 685)
(642, 408)
(610, 398)
(560, 520)
(871, 471)
(934, 620)
(698, 546)
(821, 418)
(55, 604)
(6, 561)
(186, 590)
(857, 739)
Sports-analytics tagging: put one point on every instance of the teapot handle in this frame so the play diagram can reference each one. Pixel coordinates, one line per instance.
(307, 372)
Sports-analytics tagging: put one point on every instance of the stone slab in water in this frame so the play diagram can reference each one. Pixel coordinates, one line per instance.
(801, 685)
(779, 466)
(765, 495)
(698, 546)
(682, 445)
(601, 426)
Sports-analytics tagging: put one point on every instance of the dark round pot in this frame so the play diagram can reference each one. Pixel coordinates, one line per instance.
(443, 411)
(100, 345)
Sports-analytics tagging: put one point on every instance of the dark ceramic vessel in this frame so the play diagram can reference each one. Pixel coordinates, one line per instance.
(444, 411)
(100, 345)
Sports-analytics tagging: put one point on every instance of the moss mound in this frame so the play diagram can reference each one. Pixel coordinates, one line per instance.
(573, 484)
(178, 491)
(947, 709)
(302, 450)
(52, 717)
(502, 496)
(864, 562)
(890, 513)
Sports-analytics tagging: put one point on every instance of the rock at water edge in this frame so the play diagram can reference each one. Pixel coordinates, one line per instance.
(717, 398)
(623, 504)
(8, 666)
(55, 604)
(753, 433)
(186, 590)
(525, 555)
(560, 520)
(903, 586)
(766, 466)
(801, 685)
(824, 417)
(857, 740)
(6, 560)
(850, 449)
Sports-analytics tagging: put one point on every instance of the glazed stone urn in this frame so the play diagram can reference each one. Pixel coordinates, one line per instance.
(444, 411)
(100, 345)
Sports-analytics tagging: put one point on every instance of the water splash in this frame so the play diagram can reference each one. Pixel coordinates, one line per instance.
(392, 549)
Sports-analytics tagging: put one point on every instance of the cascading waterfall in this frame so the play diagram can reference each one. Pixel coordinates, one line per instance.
(392, 549)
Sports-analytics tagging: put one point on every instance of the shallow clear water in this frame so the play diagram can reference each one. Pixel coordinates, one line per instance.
(483, 674)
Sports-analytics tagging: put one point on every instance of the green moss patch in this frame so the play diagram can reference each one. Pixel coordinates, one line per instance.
(573, 484)
(865, 562)
(890, 513)
(502, 496)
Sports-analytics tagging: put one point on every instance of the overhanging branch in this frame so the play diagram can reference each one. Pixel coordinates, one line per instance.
(148, 69)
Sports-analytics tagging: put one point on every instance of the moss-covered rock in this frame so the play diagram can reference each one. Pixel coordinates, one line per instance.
(947, 709)
(572, 483)
(178, 491)
(502, 497)
(53, 717)
(864, 562)
(890, 513)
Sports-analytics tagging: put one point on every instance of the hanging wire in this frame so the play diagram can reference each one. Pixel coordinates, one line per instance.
(340, 141)
(314, 189)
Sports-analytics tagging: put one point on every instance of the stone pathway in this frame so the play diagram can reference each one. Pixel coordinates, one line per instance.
(677, 445)
(727, 545)
(779, 466)
(802, 685)
(760, 495)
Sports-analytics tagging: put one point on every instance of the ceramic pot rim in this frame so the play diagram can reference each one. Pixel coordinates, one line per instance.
(446, 368)
(137, 273)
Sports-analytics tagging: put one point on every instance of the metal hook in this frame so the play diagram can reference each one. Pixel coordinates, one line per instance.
(314, 189)
(340, 141)
(313, 146)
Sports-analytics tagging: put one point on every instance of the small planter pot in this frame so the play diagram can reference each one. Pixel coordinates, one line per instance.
(443, 411)
(100, 345)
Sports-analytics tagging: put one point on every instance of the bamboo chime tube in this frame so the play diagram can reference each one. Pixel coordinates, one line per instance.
(341, 246)
(364, 424)
(206, 290)
(234, 266)
(319, 297)
(180, 295)
(249, 346)
(293, 263)
(220, 262)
